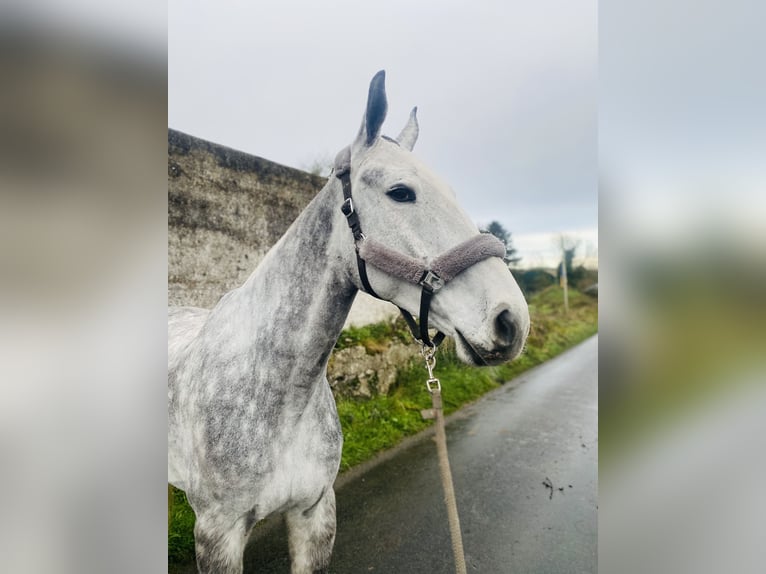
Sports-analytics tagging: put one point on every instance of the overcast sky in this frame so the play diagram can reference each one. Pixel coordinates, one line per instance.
(682, 129)
(506, 94)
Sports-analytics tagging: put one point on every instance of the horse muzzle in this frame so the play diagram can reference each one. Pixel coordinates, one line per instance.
(507, 342)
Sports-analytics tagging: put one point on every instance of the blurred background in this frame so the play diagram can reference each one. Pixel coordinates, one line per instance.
(83, 115)
(682, 138)
(681, 141)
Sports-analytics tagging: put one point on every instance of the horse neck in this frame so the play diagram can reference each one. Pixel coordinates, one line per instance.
(290, 312)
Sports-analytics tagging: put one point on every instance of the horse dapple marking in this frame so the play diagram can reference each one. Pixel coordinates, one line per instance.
(252, 425)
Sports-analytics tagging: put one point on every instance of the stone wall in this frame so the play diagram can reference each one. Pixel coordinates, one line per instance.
(356, 372)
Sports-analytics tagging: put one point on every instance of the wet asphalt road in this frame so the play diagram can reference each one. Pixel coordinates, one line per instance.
(540, 427)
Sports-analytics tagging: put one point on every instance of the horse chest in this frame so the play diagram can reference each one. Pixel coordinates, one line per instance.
(269, 438)
(306, 460)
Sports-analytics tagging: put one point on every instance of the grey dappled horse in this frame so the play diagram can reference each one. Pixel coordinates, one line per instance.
(252, 424)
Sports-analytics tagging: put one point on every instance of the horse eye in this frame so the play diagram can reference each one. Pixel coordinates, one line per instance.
(402, 194)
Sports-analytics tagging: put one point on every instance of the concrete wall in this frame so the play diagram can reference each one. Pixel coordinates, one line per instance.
(225, 211)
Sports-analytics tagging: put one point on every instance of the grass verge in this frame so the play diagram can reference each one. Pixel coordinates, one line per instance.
(375, 424)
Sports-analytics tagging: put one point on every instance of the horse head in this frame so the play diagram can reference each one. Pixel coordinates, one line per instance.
(402, 205)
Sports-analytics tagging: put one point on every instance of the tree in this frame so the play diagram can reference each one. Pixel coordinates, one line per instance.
(497, 229)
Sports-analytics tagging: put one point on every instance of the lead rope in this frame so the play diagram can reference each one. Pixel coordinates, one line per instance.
(435, 389)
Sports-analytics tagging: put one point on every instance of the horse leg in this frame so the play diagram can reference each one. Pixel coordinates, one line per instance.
(311, 534)
(220, 544)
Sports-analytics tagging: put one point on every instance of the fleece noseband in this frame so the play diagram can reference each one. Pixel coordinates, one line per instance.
(431, 277)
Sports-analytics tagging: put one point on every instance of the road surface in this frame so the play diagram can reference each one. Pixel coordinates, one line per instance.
(540, 428)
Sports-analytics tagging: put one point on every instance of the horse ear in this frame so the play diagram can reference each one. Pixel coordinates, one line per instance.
(409, 134)
(377, 106)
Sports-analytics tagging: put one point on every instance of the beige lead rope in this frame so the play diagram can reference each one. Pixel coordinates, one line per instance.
(434, 387)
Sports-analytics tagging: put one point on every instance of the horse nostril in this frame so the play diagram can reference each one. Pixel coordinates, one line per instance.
(506, 328)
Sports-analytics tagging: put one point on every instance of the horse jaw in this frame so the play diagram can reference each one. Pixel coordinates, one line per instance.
(485, 313)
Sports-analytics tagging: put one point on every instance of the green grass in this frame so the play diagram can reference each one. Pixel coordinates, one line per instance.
(180, 528)
(375, 424)
(381, 422)
(374, 338)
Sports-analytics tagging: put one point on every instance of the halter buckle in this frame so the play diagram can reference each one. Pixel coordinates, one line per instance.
(432, 281)
(347, 207)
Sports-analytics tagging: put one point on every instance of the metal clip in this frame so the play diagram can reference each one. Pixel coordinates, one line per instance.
(429, 354)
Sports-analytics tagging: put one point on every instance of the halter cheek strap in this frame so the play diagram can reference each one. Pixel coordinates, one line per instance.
(431, 278)
(352, 218)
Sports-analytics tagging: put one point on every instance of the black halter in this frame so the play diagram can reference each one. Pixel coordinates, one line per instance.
(448, 264)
